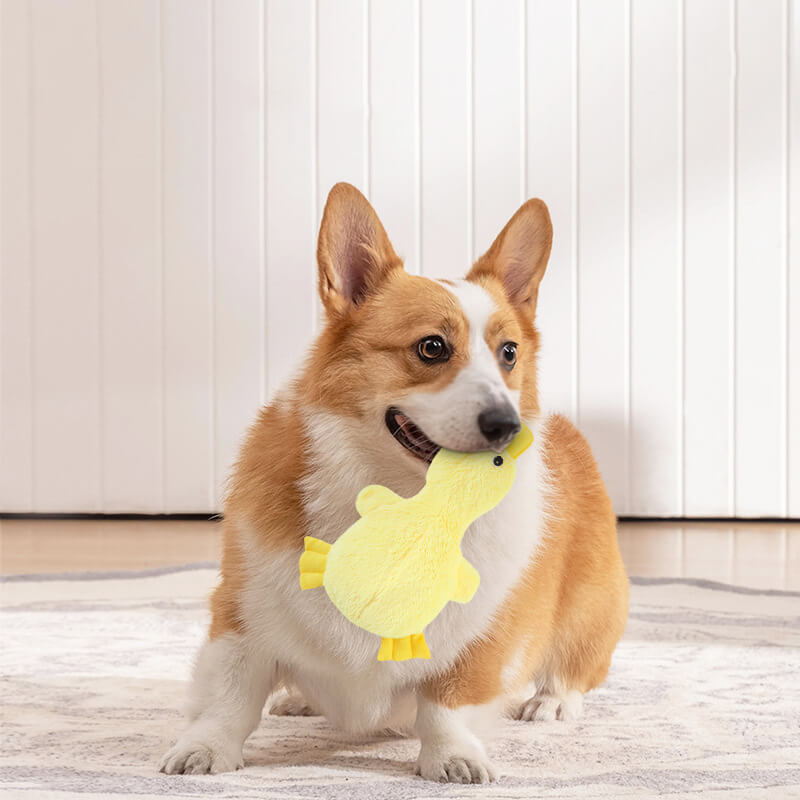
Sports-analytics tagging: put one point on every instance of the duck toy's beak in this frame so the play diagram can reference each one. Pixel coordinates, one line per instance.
(521, 442)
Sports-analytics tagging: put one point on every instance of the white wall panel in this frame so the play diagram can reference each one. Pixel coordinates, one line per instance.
(655, 337)
(238, 234)
(342, 94)
(290, 36)
(164, 165)
(708, 255)
(16, 259)
(188, 243)
(760, 431)
(498, 114)
(394, 112)
(342, 146)
(602, 237)
(130, 252)
(66, 259)
(551, 156)
(447, 179)
(793, 259)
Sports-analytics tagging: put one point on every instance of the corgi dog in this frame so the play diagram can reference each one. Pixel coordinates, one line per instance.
(404, 366)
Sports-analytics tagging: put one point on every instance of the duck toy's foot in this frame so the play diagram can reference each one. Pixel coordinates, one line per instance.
(313, 563)
(404, 648)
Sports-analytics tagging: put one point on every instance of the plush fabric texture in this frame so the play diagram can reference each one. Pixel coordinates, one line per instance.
(701, 702)
(396, 568)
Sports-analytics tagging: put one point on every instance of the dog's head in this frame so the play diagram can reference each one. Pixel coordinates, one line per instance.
(420, 363)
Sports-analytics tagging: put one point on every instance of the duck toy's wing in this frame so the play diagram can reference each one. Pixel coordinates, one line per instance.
(373, 497)
(468, 582)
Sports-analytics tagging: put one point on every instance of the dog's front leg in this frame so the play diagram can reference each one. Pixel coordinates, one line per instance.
(449, 750)
(230, 687)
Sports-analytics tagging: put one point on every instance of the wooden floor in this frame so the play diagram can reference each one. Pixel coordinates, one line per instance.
(29, 546)
(756, 554)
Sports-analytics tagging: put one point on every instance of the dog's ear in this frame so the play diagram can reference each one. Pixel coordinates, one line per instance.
(518, 256)
(354, 253)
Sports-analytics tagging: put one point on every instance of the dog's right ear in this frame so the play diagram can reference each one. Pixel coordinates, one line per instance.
(354, 253)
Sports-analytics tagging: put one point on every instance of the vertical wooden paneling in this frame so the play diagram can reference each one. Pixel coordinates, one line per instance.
(291, 215)
(761, 90)
(164, 164)
(342, 94)
(708, 257)
(16, 260)
(656, 269)
(602, 236)
(446, 46)
(130, 255)
(188, 232)
(793, 259)
(342, 149)
(238, 227)
(550, 154)
(394, 120)
(499, 169)
(66, 274)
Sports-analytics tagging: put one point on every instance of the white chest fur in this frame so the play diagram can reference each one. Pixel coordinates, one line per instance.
(330, 659)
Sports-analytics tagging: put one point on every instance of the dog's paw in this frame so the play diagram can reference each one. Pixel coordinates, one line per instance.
(471, 768)
(549, 707)
(197, 758)
(291, 704)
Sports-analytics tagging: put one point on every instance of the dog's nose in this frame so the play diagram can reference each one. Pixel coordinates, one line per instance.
(499, 424)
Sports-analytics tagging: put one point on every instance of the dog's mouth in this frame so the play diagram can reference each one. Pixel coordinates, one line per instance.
(410, 436)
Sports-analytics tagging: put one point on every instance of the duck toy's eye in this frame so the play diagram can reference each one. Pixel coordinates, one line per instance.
(498, 461)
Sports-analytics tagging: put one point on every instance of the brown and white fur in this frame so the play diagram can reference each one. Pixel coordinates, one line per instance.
(553, 595)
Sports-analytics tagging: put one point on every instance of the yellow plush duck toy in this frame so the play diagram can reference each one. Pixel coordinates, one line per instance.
(396, 568)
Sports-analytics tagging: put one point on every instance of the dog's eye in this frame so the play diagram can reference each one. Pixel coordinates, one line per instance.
(432, 348)
(508, 355)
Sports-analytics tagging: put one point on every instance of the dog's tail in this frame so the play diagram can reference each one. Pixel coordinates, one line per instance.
(313, 563)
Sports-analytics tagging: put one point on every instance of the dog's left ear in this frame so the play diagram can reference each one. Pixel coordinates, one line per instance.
(518, 256)
(354, 253)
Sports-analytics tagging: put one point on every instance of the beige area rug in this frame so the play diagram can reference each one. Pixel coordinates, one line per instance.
(703, 698)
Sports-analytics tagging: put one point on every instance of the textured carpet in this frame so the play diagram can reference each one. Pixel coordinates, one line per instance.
(703, 697)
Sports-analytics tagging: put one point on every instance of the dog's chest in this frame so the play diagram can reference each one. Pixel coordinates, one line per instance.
(499, 545)
(334, 660)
